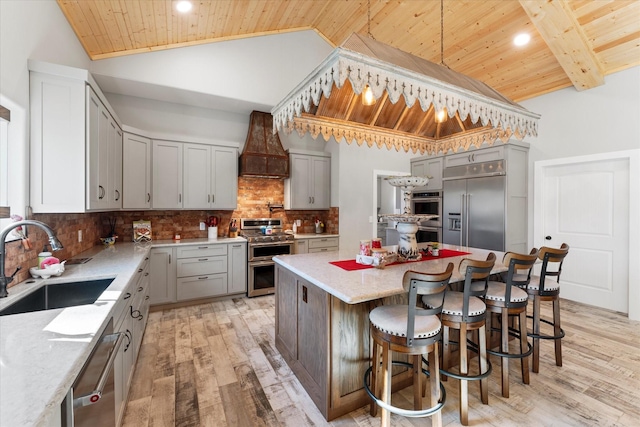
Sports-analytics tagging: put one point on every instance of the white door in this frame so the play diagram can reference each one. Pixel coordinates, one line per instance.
(585, 203)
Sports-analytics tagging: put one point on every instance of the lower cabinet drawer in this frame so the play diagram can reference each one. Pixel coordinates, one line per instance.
(316, 250)
(201, 286)
(325, 242)
(202, 265)
(201, 250)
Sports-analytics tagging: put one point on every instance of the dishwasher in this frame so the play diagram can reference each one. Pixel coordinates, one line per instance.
(91, 400)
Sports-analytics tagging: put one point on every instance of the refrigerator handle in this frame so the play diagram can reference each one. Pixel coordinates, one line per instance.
(466, 228)
(462, 207)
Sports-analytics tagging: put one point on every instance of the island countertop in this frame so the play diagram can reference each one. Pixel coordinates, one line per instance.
(369, 284)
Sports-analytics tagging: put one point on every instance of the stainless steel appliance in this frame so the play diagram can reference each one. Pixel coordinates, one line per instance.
(91, 400)
(261, 249)
(474, 205)
(428, 203)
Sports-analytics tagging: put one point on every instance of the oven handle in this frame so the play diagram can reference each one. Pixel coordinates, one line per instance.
(94, 396)
(260, 263)
(421, 228)
(281, 243)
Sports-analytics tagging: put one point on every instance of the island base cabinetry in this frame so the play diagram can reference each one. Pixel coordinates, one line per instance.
(325, 342)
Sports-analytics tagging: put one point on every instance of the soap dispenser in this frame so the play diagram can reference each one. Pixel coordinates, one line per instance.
(43, 255)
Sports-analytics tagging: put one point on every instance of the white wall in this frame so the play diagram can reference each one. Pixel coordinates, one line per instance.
(354, 168)
(29, 29)
(598, 120)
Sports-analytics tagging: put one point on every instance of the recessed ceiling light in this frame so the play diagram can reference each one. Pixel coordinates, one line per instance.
(183, 6)
(521, 39)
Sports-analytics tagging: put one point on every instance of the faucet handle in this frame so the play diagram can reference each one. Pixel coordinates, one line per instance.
(14, 273)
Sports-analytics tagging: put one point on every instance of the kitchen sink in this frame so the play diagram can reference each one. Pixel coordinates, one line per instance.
(59, 295)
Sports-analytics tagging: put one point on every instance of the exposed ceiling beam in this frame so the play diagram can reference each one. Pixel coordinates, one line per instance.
(560, 30)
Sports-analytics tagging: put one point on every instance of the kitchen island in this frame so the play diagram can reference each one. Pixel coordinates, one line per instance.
(322, 320)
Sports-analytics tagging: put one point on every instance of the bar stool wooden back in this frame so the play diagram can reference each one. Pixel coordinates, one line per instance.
(466, 311)
(509, 298)
(414, 331)
(546, 287)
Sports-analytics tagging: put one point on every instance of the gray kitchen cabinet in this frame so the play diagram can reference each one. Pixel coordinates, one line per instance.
(136, 172)
(210, 177)
(75, 143)
(163, 276)
(316, 244)
(301, 246)
(237, 268)
(202, 272)
(130, 321)
(309, 184)
(431, 167)
(475, 156)
(167, 175)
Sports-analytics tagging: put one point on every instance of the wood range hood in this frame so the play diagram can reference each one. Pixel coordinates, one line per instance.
(263, 155)
(409, 91)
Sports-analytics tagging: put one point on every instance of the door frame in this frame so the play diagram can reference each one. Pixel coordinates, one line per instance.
(633, 156)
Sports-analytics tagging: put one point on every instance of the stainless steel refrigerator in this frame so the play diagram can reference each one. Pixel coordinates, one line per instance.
(474, 208)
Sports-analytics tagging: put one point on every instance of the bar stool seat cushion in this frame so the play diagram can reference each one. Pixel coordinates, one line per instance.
(392, 319)
(550, 283)
(496, 291)
(453, 304)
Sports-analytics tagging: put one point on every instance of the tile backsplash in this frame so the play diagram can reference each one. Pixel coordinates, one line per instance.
(254, 195)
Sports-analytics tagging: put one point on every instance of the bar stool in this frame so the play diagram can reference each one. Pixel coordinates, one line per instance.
(509, 298)
(546, 287)
(413, 331)
(465, 311)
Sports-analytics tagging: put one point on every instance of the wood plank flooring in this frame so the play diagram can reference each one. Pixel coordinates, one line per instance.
(215, 364)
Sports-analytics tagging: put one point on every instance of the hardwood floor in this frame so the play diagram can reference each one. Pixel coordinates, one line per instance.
(215, 364)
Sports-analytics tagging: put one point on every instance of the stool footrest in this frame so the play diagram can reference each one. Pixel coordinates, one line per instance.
(546, 337)
(512, 355)
(405, 412)
(467, 377)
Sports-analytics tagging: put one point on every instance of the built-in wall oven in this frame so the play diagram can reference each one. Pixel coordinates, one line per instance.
(262, 247)
(428, 203)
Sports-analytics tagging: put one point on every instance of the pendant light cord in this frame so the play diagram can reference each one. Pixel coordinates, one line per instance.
(442, 33)
(369, 20)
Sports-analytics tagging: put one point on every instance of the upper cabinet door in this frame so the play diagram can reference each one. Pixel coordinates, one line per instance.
(309, 184)
(431, 168)
(197, 176)
(224, 177)
(167, 175)
(136, 172)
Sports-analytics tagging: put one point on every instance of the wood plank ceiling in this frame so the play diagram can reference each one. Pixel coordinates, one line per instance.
(574, 42)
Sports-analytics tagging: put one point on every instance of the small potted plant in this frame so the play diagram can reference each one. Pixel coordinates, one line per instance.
(435, 251)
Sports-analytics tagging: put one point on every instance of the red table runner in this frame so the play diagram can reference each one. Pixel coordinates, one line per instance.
(351, 264)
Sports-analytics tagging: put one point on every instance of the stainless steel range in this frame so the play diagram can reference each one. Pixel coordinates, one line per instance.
(266, 240)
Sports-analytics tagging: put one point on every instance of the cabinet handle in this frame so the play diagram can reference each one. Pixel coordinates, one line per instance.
(473, 157)
(203, 247)
(323, 240)
(313, 199)
(237, 246)
(146, 274)
(169, 258)
(117, 195)
(203, 278)
(146, 298)
(127, 295)
(203, 259)
(140, 289)
(148, 197)
(304, 294)
(100, 192)
(213, 198)
(180, 198)
(140, 270)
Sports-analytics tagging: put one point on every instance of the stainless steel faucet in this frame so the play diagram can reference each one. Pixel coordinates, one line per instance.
(53, 241)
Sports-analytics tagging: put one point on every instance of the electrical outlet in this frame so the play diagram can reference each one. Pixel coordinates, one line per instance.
(79, 236)
(202, 227)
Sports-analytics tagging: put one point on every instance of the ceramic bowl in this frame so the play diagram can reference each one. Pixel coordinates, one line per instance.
(108, 241)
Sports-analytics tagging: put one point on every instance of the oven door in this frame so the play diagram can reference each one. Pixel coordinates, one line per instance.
(261, 278)
(428, 206)
(266, 251)
(429, 234)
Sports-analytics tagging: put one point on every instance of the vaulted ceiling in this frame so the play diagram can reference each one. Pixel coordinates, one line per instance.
(574, 42)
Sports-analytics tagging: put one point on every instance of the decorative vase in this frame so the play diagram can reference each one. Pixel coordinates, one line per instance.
(212, 233)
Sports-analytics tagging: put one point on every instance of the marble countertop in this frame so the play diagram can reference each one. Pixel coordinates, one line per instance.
(41, 353)
(359, 286)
